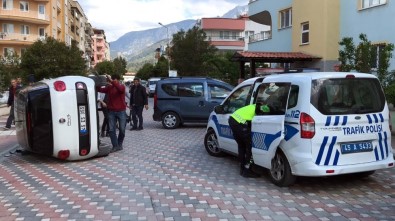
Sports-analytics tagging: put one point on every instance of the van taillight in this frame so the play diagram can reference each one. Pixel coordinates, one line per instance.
(155, 100)
(307, 126)
(59, 86)
(63, 154)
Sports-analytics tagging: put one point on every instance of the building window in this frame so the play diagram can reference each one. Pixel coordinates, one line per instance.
(224, 34)
(286, 18)
(24, 6)
(8, 52)
(41, 9)
(41, 32)
(25, 30)
(372, 3)
(8, 4)
(376, 55)
(8, 28)
(305, 33)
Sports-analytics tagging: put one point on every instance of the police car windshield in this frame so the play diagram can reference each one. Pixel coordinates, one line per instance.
(347, 96)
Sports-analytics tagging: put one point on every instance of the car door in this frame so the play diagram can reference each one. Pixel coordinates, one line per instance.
(267, 129)
(234, 101)
(192, 101)
(216, 94)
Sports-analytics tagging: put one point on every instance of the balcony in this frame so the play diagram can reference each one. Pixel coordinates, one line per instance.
(222, 38)
(19, 39)
(260, 36)
(24, 16)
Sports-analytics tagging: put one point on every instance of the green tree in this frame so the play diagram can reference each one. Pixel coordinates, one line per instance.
(363, 55)
(105, 67)
(120, 65)
(190, 52)
(9, 68)
(51, 58)
(161, 68)
(347, 55)
(146, 71)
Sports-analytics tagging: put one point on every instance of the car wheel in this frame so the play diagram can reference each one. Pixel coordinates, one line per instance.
(280, 171)
(211, 144)
(170, 120)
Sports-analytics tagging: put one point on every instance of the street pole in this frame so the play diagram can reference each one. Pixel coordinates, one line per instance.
(168, 46)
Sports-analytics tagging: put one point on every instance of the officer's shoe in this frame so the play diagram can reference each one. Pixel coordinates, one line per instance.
(248, 173)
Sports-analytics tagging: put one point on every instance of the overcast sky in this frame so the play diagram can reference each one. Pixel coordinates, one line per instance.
(118, 17)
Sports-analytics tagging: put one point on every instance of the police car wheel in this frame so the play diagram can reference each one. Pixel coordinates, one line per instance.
(211, 144)
(280, 171)
(170, 120)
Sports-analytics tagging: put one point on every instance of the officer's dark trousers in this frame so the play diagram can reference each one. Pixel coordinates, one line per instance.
(242, 135)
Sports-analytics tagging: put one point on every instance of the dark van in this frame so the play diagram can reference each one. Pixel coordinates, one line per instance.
(181, 100)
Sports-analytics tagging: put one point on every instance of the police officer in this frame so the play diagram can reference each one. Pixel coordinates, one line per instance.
(240, 123)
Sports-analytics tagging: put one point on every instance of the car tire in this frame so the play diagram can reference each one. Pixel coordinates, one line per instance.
(280, 172)
(170, 120)
(211, 144)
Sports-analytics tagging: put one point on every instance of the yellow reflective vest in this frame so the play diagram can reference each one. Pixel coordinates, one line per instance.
(244, 114)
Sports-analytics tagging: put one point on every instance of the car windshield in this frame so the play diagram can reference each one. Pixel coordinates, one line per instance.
(347, 96)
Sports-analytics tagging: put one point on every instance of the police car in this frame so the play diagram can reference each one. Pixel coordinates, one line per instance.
(319, 124)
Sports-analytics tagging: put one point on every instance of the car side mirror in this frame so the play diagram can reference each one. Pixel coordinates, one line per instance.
(219, 109)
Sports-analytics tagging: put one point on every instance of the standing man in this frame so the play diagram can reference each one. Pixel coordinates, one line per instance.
(116, 110)
(10, 103)
(240, 124)
(138, 100)
(19, 81)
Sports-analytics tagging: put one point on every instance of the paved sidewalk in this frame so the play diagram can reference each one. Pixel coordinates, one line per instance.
(8, 139)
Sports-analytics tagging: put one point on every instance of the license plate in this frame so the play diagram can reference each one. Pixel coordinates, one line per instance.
(356, 147)
(82, 112)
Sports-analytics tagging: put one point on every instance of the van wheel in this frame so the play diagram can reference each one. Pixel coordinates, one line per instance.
(280, 171)
(170, 120)
(211, 144)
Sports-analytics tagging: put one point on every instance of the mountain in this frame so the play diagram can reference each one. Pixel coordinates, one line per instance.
(138, 47)
(135, 42)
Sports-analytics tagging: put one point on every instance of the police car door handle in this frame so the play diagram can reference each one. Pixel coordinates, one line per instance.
(290, 122)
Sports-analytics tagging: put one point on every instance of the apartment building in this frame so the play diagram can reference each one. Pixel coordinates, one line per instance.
(230, 34)
(370, 17)
(26, 21)
(101, 48)
(314, 28)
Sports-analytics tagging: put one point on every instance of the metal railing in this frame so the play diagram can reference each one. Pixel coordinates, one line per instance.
(20, 37)
(229, 38)
(260, 36)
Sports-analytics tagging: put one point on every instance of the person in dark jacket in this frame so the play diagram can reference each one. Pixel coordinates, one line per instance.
(10, 103)
(138, 100)
(116, 109)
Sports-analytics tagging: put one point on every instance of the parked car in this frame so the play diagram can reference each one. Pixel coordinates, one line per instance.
(4, 97)
(320, 124)
(152, 85)
(187, 99)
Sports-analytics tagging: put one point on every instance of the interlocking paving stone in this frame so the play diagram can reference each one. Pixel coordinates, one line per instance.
(167, 175)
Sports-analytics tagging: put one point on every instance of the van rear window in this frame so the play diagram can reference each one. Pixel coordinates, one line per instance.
(347, 96)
